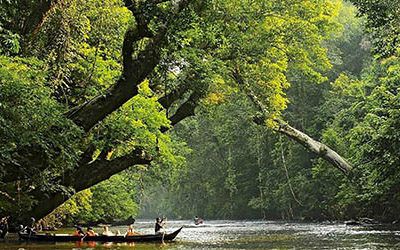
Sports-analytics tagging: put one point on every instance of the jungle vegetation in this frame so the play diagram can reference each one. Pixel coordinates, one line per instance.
(232, 109)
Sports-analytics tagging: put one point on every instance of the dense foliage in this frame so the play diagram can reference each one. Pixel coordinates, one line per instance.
(237, 170)
(382, 24)
(93, 97)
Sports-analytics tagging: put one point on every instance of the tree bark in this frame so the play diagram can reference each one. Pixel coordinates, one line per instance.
(135, 70)
(34, 20)
(306, 141)
(85, 176)
(315, 146)
(95, 110)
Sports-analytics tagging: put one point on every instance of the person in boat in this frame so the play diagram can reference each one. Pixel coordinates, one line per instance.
(107, 232)
(28, 229)
(197, 220)
(131, 231)
(90, 232)
(3, 227)
(159, 227)
(78, 231)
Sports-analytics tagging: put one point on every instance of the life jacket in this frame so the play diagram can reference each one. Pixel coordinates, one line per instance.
(77, 233)
(91, 233)
(131, 234)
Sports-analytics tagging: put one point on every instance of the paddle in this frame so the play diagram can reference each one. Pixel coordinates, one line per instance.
(162, 239)
(83, 237)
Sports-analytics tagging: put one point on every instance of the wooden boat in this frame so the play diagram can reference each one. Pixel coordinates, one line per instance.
(198, 221)
(100, 238)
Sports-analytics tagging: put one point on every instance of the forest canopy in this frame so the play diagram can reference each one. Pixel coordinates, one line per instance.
(147, 105)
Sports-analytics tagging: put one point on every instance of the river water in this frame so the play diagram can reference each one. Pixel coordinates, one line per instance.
(245, 235)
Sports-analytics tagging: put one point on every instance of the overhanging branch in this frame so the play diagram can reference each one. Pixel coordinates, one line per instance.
(306, 141)
(84, 177)
(134, 72)
(186, 109)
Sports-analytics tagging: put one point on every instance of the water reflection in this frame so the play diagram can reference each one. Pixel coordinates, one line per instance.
(246, 235)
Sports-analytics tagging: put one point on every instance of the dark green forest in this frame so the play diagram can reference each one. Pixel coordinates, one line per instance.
(224, 109)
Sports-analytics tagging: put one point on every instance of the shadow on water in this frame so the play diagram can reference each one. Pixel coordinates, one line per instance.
(244, 235)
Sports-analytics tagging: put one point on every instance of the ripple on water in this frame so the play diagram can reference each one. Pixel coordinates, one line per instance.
(226, 234)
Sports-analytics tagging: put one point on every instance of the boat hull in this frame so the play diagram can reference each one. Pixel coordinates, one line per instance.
(99, 238)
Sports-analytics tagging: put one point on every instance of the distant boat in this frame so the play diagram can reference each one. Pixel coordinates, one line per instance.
(99, 238)
(198, 221)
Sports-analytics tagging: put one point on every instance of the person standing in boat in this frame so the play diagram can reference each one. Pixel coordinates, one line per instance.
(159, 227)
(197, 220)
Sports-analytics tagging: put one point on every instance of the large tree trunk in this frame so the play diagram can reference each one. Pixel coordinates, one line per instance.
(135, 70)
(35, 19)
(312, 145)
(85, 176)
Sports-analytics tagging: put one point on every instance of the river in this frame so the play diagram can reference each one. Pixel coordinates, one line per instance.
(220, 234)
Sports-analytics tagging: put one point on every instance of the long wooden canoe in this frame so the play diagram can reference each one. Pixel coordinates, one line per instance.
(100, 238)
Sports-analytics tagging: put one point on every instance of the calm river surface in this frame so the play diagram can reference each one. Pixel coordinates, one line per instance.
(246, 235)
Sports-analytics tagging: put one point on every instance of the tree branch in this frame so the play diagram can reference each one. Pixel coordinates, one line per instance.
(186, 109)
(315, 146)
(95, 110)
(101, 169)
(167, 100)
(84, 177)
(34, 20)
(306, 141)
(135, 71)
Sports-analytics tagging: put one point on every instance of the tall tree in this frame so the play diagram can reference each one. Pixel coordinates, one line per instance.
(177, 52)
